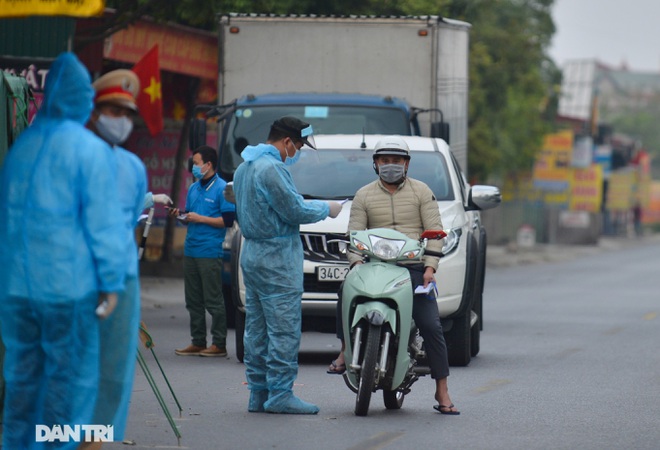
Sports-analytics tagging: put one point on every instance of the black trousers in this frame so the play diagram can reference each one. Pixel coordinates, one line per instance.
(426, 317)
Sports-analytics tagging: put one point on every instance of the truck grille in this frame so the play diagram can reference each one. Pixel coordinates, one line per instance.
(317, 248)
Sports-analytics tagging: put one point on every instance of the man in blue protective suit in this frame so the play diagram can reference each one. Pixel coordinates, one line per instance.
(270, 211)
(112, 120)
(208, 215)
(62, 253)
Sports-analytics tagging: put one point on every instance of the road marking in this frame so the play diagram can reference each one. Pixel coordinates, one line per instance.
(380, 440)
(613, 331)
(567, 352)
(650, 316)
(492, 385)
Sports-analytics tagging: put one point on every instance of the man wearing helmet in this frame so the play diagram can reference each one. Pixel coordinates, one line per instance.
(408, 206)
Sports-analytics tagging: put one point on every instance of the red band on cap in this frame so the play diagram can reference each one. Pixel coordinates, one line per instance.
(114, 90)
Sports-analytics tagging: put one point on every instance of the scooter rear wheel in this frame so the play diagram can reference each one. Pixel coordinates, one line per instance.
(368, 371)
(393, 399)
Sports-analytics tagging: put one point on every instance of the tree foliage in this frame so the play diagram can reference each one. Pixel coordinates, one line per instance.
(512, 80)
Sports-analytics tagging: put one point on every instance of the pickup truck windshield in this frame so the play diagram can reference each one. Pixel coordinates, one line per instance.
(338, 174)
(250, 125)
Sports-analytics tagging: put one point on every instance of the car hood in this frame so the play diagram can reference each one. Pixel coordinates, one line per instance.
(452, 215)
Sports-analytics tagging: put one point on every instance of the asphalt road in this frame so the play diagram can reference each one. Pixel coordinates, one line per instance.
(568, 360)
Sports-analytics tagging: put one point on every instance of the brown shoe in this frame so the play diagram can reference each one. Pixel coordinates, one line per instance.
(214, 350)
(191, 350)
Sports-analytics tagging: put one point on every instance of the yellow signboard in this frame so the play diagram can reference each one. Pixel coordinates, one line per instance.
(551, 170)
(75, 8)
(621, 190)
(586, 189)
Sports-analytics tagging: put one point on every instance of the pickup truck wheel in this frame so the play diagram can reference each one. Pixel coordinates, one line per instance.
(458, 336)
(475, 335)
(230, 310)
(458, 341)
(478, 306)
(236, 302)
(240, 329)
(480, 279)
(235, 268)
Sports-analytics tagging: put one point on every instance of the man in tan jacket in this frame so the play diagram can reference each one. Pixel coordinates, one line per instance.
(408, 206)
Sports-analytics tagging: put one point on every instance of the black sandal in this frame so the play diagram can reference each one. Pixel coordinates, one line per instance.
(447, 410)
(335, 369)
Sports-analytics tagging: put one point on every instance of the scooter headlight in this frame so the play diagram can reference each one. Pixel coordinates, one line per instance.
(452, 240)
(386, 248)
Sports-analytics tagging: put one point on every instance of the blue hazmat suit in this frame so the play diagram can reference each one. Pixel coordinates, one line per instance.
(62, 242)
(148, 200)
(119, 332)
(270, 211)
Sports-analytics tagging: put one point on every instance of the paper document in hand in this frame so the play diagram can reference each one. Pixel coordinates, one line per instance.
(431, 287)
(343, 201)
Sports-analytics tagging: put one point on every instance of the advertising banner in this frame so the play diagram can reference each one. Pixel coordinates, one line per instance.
(621, 190)
(586, 189)
(551, 170)
(77, 8)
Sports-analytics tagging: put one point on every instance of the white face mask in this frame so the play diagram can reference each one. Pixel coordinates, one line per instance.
(115, 130)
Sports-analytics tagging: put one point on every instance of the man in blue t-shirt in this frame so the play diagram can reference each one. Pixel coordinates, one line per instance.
(208, 214)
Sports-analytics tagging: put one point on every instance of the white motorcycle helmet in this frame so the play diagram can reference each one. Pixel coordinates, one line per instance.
(391, 146)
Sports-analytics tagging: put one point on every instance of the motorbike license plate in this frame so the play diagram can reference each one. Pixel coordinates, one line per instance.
(331, 273)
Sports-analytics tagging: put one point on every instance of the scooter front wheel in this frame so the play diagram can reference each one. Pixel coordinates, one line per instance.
(368, 371)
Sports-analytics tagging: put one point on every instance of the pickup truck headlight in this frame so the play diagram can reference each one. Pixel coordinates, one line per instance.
(452, 240)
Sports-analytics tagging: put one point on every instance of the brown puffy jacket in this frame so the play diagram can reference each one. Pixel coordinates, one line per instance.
(411, 209)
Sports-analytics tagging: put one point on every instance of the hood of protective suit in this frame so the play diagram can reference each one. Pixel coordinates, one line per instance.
(253, 152)
(68, 93)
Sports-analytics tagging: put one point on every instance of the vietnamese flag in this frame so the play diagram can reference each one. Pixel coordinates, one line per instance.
(150, 98)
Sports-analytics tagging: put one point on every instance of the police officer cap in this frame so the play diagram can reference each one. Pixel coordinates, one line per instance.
(295, 128)
(119, 87)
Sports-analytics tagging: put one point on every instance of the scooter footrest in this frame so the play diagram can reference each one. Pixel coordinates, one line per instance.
(421, 371)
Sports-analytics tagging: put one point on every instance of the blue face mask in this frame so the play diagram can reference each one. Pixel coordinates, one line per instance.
(291, 160)
(197, 172)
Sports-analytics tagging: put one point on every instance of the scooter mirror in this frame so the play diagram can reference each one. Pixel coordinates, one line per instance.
(434, 234)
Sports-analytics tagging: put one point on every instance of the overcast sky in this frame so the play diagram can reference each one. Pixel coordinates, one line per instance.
(611, 31)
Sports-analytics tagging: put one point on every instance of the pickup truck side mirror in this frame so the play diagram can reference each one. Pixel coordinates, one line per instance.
(440, 130)
(483, 197)
(197, 133)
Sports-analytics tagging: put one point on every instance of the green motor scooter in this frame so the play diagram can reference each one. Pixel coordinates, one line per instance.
(377, 297)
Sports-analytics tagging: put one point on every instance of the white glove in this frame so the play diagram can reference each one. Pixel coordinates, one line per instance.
(335, 208)
(228, 192)
(106, 304)
(163, 199)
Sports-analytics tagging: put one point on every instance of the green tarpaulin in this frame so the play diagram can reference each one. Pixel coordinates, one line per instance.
(14, 98)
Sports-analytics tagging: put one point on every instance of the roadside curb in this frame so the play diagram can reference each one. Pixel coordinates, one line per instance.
(512, 255)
